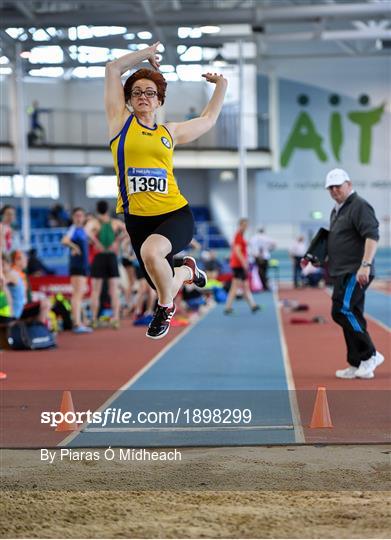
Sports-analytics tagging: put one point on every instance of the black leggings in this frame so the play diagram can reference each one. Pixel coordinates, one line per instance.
(177, 227)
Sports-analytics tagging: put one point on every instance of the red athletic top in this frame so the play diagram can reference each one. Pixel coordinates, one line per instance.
(241, 242)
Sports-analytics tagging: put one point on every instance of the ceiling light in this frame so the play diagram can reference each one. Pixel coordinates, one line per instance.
(47, 72)
(193, 54)
(144, 35)
(195, 33)
(184, 32)
(14, 32)
(210, 29)
(41, 35)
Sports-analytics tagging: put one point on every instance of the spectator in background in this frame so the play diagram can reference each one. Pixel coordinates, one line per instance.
(260, 246)
(351, 247)
(5, 312)
(212, 265)
(239, 265)
(128, 260)
(35, 267)
(106, 234)
(59, 217)
(37, 133)
(191, 114)
(23, 306)
(77, 240)
(145, 300)
(297, 252)
(312, 275)
(7, 236)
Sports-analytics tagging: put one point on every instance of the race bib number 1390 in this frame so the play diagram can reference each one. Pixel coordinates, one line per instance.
(143, 180)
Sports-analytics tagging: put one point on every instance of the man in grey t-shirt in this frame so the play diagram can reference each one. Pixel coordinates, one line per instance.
(352, 243)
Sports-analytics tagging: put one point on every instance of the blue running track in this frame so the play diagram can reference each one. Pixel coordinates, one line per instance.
(223, 362)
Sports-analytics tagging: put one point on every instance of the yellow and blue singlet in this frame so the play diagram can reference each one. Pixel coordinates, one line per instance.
(143, 162)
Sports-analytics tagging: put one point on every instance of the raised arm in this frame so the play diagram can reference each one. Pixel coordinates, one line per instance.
(116, 111)
(184, 132)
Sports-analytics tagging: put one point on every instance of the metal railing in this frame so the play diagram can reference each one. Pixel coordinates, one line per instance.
(69, 127)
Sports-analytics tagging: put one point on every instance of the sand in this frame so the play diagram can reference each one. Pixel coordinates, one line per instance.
(263, 492)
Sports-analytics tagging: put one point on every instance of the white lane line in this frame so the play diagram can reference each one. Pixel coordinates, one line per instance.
(381, 324)
(186, 429)
(139, 374)
(299, 433)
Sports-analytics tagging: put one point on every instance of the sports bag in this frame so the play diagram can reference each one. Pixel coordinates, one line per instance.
(30, 336)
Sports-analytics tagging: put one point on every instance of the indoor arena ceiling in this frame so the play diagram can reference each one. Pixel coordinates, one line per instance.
(88, 33)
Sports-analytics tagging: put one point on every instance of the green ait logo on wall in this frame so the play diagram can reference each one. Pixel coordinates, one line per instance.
(304, 135)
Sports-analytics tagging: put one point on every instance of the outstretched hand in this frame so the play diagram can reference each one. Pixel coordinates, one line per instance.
(153, 57)
(214, 77)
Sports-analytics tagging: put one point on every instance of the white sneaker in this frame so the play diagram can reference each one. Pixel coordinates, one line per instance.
(367, 367)
(348, 373)
(379, 358)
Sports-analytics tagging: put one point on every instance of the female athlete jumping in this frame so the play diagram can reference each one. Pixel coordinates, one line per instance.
(157, 216)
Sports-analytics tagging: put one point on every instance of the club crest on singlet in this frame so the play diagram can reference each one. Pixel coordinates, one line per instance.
(166, 142)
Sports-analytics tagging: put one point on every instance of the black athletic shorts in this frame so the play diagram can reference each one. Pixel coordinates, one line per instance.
(239, 273)
(77, 266)
(126, 262)
(105, 265)
(177, 227)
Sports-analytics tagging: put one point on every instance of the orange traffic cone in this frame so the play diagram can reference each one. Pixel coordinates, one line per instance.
(66, 407)
(321, 415)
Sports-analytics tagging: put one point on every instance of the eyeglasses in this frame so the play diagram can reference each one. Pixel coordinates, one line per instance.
(139, 93)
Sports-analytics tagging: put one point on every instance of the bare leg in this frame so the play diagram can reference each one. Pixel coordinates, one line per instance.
(131, 275)
(78, 289)
(139, 300)
(232, 292)
(153, 252)
(114, 297)
(44, 308)
(248, 294)
(96, 289)
(181, 274)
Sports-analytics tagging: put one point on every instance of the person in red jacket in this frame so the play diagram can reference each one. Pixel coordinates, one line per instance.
(239, 265)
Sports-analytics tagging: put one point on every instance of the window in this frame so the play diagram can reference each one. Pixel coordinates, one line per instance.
(5, 186)
(37, 186)
(101, 187)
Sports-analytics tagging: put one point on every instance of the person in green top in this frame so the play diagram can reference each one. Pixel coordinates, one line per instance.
(106, 234)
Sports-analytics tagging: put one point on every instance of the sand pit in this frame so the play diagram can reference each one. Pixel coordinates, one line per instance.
(274, 492)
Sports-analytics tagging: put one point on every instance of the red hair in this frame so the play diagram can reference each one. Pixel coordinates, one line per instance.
(145, 73)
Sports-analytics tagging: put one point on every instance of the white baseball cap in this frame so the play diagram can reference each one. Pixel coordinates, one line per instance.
(336, 177)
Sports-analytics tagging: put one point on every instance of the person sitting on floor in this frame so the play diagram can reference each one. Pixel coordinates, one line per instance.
(35, 267)
(16, 280)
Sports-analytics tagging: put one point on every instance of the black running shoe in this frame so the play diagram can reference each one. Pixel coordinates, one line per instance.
(254, 309)
(160, 324)
(199, 277)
